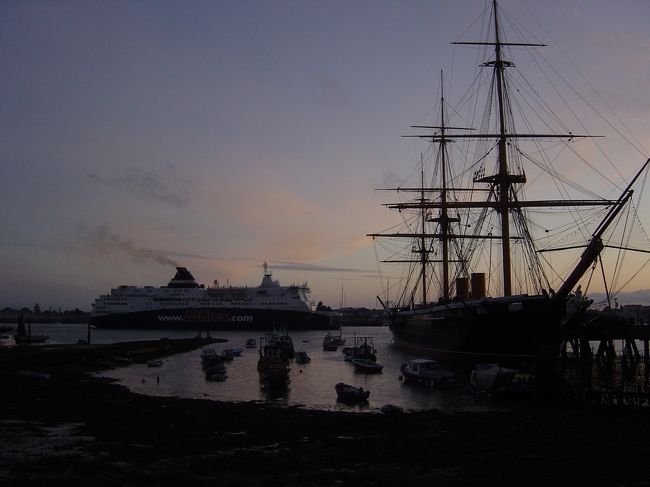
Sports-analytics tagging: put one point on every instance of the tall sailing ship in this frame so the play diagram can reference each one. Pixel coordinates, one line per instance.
(478, 287)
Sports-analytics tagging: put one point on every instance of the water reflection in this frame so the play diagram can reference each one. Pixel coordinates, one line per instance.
(311, 385)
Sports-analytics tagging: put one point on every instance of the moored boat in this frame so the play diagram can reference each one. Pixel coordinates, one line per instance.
(220, 376)
(33, 338)
(7, 341)
(24, 334)
(364, 348)
(328, 344)
(427, 372)
(216, 373)
(302, 358)
(338, 340)
(209, 354)
(235, 352)
(210, 357)
(367, 366)
(273, 363)
(351, 394)
(502, 382)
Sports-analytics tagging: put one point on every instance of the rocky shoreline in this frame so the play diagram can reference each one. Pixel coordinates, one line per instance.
(75, 429)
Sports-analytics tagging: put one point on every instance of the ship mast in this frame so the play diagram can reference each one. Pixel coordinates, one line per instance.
(504, 180)
(501, 183)
(423, 250)
(444, 219)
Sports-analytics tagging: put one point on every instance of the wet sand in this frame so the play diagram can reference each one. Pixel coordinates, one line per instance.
(73, 429)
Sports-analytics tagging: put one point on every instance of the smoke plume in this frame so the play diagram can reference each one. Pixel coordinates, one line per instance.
(104, 240)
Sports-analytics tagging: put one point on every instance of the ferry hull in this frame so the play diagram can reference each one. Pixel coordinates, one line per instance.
(215, 319)
(513, 332)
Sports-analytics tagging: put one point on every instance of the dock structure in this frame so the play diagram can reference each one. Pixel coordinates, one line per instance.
(606, 334)
(603, 365)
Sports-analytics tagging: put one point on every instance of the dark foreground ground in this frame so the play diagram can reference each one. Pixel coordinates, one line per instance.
(71, 429)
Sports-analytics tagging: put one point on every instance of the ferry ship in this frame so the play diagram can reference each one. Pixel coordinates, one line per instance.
(185, 304)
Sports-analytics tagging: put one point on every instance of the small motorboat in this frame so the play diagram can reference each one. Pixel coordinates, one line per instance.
(155, 363)
(391, 409)
(501, 382)
(235, 352)
(286, 345)
(273, 365)
(328, 344)
(351, 394)
(302, 358)
(427, 372)
(364, 348)
(209, 355)
(216, 367)
(227, 355)
(338, 340)
(216, 372)
(367, 366)
(219, 376)
(251, 343)
(7, 341)
(34, 338)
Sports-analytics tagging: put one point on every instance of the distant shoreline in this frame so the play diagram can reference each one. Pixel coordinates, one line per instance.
(44, 321)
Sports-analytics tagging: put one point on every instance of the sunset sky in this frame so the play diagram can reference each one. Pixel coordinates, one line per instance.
(217, 135)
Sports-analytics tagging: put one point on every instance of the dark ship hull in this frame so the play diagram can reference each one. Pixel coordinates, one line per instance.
(197, 319)
(516, 331)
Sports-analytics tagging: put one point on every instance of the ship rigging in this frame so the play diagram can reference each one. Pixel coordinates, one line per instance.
(453, 222)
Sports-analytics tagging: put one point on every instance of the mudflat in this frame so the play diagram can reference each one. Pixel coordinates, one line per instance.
(74, 429)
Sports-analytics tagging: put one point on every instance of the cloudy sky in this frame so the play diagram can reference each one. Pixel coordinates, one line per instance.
(217, 135)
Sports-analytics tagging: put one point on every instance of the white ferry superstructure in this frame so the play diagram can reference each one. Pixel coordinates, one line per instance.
(184, 303)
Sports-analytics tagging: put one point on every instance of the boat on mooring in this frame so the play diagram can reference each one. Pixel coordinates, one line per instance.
(7, 341)
(328, 344)
(502, 382)
(427, 372)
(366, 366)
(302, 358)
(216, 372)
(364, 348)
(273, 363)
(478, 287)
(350, 394)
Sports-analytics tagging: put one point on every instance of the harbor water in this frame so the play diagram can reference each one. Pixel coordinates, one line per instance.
(311, 385)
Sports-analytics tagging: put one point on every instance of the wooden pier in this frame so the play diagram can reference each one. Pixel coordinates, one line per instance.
(608, 365)
(606, 335)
